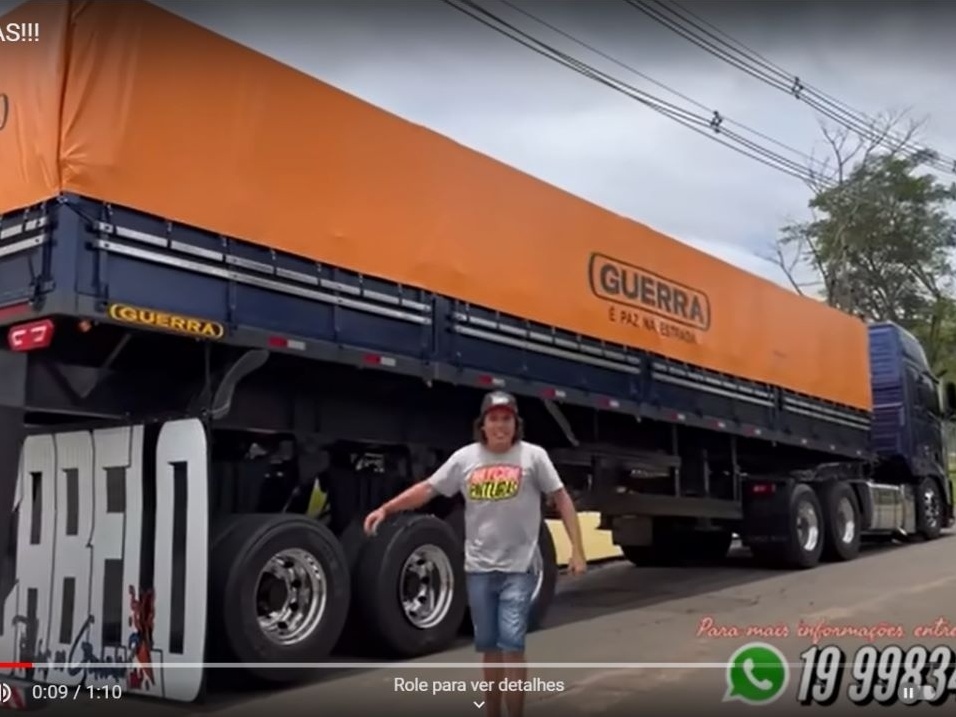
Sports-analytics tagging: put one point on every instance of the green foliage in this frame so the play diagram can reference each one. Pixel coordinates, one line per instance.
(881, 242)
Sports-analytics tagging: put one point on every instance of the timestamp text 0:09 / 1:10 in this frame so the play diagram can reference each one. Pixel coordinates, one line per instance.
(72, 692)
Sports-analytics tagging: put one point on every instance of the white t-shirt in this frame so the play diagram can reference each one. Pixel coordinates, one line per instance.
(502, 493)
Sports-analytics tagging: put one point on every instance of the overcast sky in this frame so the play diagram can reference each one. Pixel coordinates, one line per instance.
(430, 64)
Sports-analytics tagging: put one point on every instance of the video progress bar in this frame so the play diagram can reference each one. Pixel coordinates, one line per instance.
(171, 665)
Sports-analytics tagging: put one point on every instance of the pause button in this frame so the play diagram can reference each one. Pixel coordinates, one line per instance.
(912, 692)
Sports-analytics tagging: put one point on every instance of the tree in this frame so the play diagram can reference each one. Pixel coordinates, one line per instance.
(880, 239)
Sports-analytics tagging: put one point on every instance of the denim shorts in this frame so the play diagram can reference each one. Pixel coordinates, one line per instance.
(500, 605)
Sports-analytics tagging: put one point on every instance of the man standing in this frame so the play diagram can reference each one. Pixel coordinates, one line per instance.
(502, 479)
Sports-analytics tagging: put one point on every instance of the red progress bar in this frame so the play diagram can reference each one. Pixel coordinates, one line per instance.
(16, 665)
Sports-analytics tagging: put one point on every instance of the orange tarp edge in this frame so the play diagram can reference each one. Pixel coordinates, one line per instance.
(172, 119)
(31, 83)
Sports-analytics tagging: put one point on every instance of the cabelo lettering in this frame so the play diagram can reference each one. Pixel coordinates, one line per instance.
(109, 563)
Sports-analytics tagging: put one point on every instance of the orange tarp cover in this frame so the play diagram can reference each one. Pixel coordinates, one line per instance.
(164, 116)
(31, 83)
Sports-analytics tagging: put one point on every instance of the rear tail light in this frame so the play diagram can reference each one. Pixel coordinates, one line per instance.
(30, 336)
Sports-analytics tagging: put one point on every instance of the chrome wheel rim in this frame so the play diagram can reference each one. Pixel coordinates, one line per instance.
(846, 520)
(537, 568)
(808, 527)
(291, 596)
(931, 509)
(426, 586)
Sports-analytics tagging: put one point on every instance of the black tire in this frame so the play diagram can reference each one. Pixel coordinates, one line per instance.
(456, 521)
(929, 509)
(242, 548)
(546, 588)
(790, 553)
(352, 539)
(841, 534)
(548, 583)
(355, 639)
(376, 587)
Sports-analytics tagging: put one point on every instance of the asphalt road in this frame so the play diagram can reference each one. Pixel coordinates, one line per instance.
(617, 613)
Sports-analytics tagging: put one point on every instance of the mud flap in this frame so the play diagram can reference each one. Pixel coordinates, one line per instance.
(766, 509)
(106, 559)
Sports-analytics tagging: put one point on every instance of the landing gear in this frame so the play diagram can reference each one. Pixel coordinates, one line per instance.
(672, 547)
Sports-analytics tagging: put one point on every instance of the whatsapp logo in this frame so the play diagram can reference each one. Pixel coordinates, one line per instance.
(757, 674)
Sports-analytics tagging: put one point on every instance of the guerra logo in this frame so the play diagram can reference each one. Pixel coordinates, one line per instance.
(627, 285)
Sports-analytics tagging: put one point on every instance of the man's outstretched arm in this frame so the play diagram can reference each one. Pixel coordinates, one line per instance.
(553, 487)
(444, 481)
(411, 498)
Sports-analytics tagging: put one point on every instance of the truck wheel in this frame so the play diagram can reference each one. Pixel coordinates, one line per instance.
(456, 521)
(841, 517)
(410, 585)
(802, 543)
(279, 592)
(929, 509)
(545, 565)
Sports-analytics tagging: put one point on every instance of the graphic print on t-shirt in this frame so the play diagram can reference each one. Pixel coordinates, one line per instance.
(495, 482)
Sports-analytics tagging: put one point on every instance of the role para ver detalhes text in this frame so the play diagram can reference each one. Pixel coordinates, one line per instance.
(435, 687)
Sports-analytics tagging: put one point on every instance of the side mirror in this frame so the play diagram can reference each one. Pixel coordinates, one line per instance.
(950, 393)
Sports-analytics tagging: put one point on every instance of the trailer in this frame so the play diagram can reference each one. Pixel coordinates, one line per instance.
(221, 354)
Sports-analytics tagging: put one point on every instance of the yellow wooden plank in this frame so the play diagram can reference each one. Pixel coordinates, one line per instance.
(597, 543)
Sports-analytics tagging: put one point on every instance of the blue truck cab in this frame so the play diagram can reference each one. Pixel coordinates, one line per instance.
(910, 408)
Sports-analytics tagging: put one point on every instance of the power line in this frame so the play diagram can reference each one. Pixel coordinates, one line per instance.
(657, 83)
(735, 58)
(838, 111)
(683, 116)
(707, 126)
(714, 41)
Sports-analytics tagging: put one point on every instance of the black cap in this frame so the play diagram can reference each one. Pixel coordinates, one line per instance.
(499, 399)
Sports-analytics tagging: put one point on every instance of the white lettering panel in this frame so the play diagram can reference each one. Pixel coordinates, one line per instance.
(112, 564)
(182, 509)
(73, 554)
(10, 629)
(35, 538)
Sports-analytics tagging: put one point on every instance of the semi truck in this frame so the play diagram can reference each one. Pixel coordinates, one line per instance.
(242, 308)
